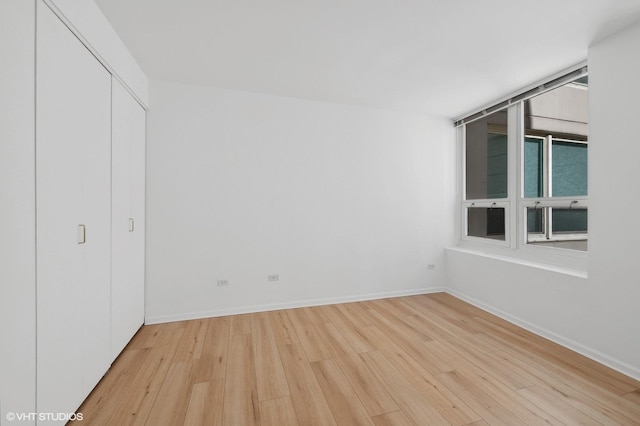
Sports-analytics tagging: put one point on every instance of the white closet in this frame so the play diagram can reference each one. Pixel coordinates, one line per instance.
(90, 157)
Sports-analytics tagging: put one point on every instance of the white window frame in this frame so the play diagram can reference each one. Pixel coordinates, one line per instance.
(515, 244)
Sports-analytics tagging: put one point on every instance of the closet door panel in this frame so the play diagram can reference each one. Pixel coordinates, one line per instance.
(72, 188)
(96, 207)
(138, 208)
(127, 283)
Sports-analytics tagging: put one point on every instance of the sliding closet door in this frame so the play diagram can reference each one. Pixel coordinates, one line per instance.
(128, 173)
(73, 180)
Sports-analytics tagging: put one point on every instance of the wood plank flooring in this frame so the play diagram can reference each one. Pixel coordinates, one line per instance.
(417, 360)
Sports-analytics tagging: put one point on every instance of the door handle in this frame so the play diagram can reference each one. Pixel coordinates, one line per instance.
(131, 225)
(82, 234)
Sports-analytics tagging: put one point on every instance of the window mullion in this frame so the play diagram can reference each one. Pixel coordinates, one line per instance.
(514, 131)
(546, 168)
(548, 187)
(548, 225)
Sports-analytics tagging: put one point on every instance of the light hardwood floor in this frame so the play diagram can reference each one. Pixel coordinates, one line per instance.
(417, 360)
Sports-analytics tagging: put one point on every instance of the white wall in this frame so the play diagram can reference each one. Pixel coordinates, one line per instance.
(17, 208)
(599, 315)
(613, 187)
(342, 202)
(90, 25)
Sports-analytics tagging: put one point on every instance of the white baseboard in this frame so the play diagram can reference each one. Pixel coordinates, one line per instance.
(597, 356)
(157, 319)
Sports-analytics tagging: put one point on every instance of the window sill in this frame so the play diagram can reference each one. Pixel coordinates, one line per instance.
(574, 264)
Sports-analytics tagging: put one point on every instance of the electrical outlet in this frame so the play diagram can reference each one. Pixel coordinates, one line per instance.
(223, 283)
(274, 277)
(431, 267)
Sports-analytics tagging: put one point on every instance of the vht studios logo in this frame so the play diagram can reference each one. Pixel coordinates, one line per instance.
(56, 417)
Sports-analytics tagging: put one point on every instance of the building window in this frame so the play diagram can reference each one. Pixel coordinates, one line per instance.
(486, 177)
(526, 167)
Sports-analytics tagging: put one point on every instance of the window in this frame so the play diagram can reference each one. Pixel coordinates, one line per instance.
(555, 168)
(525, 166)
(486, 177)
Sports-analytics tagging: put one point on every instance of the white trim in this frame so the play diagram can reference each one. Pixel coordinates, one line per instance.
(586, 351)
(547, 166)
(462, 134)
(541, 238)
(514, 113)
(579, 202)
(158, 319)
(460, 182)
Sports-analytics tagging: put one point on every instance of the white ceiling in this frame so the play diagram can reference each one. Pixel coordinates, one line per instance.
(443, 57)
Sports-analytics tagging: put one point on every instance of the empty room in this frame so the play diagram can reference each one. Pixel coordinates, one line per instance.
(331, 212)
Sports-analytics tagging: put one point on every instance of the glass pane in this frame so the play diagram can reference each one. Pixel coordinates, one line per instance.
(535, 221)
(562, 112)
(486, 222)
(569, 169)
(533, 167)
(497, 166)
(573, 221)
(486, 154)
(569, 228)
(582, 80)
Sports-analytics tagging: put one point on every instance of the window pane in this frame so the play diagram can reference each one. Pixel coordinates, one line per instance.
(535, 221)
(568, 227)
(584, 81)
(486, 222)
(569, 169)
(497, 166)
(486, 154)
(562, 112)
(533, 167)
(572, 221)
